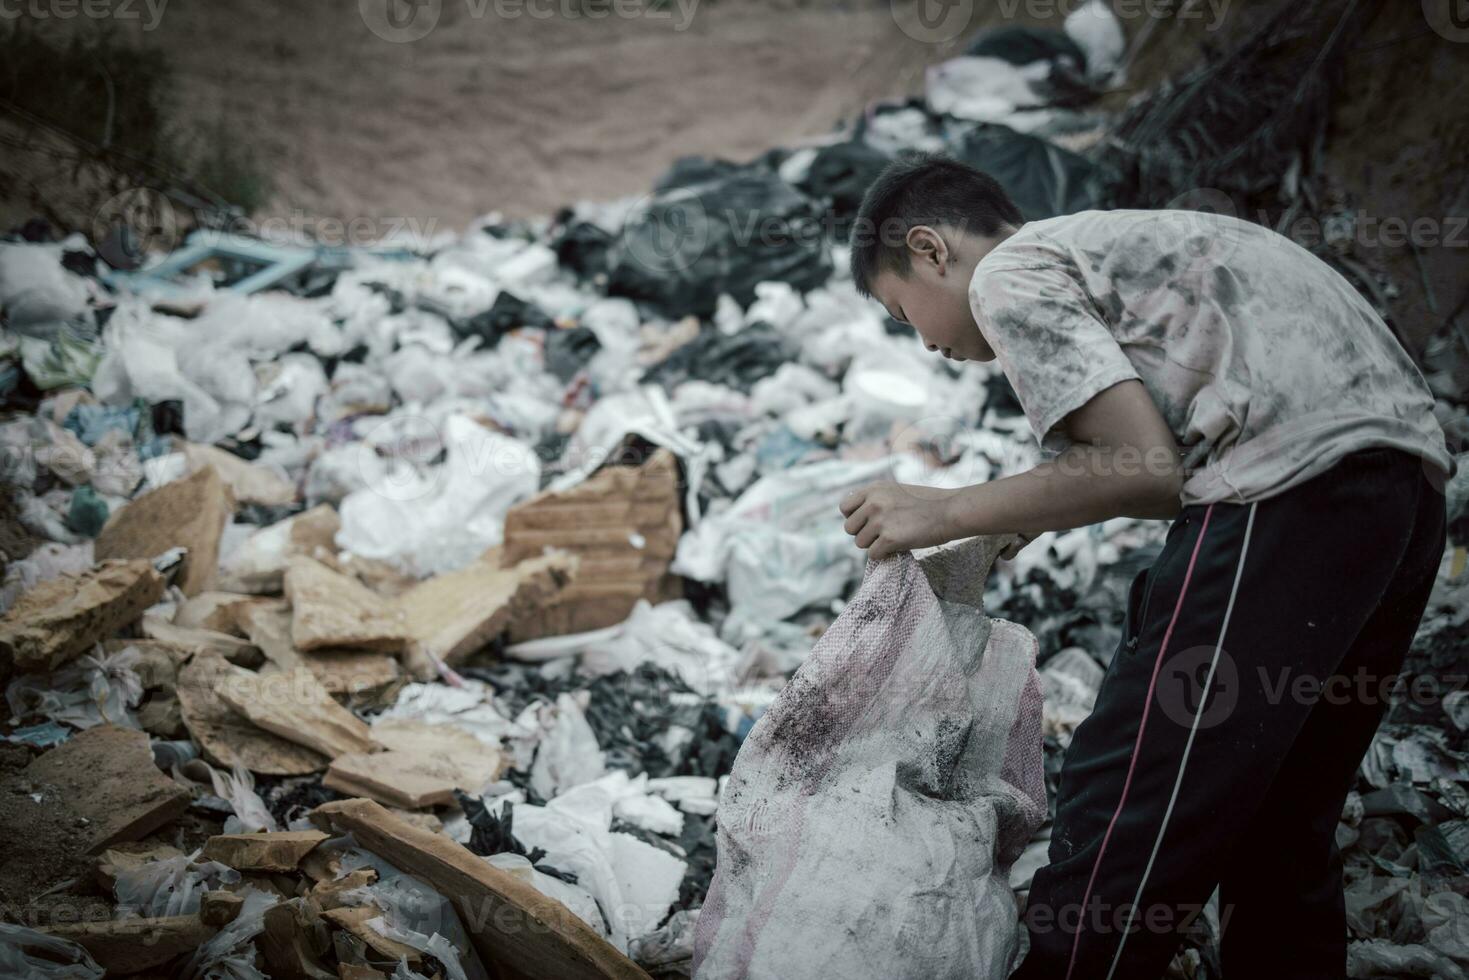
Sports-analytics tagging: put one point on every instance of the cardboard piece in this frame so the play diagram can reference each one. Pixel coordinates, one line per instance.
(128, 856)
(354, 920)
(451, 615)
(220, 908)
(197, 641)
(250, 483)
(224, 736)
(513, 927)
(126, 946)
(414, 779)
(63, 617)
(329, 609)
(355, 675)
(106, 777)
(216, 611)
(623, 523)
(294, 705)
(190, 513)
(278, 851)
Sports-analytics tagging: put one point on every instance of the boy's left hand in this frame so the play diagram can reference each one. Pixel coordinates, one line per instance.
(887, 518)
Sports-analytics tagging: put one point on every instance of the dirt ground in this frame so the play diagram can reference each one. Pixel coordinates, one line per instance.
(523, 106)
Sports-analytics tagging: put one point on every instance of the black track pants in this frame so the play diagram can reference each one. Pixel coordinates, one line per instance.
(1253, 671)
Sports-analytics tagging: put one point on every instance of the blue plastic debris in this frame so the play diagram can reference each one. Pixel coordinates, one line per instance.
(42, 736)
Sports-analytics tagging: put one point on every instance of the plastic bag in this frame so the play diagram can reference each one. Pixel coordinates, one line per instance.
(26, 954)
(448, 516)
(100, 688)
(915, 728)
(172, 886)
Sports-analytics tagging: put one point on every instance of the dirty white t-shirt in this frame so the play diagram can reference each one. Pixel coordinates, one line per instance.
(1267, 365)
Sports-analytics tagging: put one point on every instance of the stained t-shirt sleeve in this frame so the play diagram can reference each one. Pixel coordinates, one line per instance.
(1048, 340)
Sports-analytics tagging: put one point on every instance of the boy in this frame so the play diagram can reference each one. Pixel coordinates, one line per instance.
(1193, 367)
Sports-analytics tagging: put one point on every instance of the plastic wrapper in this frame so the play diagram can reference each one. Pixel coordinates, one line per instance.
(172, 886)
(99, 688)
(26, 954)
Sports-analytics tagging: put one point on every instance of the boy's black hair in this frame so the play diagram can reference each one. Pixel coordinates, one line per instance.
(922, 189)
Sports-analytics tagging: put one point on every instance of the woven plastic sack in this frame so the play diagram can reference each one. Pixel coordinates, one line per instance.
(873, 813)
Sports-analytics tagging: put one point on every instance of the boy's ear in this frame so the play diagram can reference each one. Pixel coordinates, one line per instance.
(927, 246)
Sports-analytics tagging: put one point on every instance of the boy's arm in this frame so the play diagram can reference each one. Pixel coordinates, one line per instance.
(1123, 463)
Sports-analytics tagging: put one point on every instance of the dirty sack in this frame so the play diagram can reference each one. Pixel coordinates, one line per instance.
(873, 813)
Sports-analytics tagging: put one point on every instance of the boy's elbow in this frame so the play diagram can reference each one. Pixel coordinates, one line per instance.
(1162, 498)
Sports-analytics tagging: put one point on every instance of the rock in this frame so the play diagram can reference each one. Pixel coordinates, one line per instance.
(190, 513)
(451, 615)
(227, 738)
(63, 617)
(294, 705)
(514, 928)
(279, 851)
(126, 946)
(623, 524)
(329, 609)
(109, 787)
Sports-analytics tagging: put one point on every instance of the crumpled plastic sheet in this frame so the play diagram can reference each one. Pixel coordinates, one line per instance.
(172, 886)
(447, 516)
(230, 954)
(634, 882)
(669, 635)
(99, 688)
(26, 954)
(1377, 958)
(238, 788)
(38, 293)
(568, 754)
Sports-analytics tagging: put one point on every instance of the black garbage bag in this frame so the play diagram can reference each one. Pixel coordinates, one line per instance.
(1025, 45)
(1043, 179)
(841, 174)
(567, 351)
(582, 247)
(504, 315)
(737, 361)
(723, 236)
(690, 170)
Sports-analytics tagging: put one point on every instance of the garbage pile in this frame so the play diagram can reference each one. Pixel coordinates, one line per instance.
(399, 611)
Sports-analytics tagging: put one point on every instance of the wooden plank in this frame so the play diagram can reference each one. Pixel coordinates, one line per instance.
(512, 925)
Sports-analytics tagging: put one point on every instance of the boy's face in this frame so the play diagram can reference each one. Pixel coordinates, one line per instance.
(934, 299)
